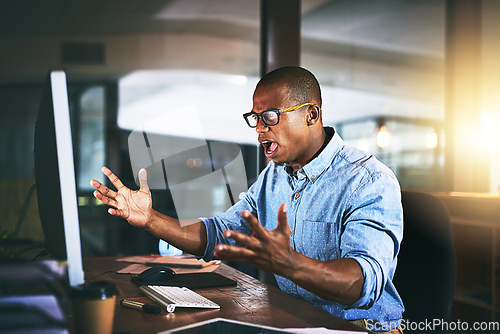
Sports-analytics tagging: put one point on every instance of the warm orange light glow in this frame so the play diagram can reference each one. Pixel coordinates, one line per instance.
(383, 137)
(490, 135)
(194, 163)
(431, 140)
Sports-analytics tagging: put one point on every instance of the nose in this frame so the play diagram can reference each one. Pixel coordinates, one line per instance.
(261, 126)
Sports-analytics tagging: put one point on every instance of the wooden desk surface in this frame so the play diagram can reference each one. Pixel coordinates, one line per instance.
(250, 301)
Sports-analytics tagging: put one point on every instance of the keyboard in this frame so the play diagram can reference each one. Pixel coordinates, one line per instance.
(171, 297)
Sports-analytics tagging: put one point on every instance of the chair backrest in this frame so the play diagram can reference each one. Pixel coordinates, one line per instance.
(426, 273)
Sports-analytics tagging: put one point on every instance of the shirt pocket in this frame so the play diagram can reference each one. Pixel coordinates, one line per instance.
(318, 240)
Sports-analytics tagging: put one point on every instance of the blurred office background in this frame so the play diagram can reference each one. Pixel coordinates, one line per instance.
(415, 82)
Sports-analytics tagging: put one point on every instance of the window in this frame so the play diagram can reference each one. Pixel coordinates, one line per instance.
(380, 65)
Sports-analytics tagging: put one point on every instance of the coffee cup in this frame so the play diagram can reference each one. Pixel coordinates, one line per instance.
(93, 306)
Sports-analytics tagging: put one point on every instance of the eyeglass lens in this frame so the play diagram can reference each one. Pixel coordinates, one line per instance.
(269, 117)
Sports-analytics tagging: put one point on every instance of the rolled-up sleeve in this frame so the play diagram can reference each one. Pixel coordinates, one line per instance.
(372, 233)
(231, 219)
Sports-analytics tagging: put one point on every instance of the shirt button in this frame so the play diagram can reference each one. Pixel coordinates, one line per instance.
(297, 195)
(313, 178)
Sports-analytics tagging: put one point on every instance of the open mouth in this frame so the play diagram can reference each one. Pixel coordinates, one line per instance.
(270, 148)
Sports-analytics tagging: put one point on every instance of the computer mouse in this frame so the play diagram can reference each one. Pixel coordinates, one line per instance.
(156, 274)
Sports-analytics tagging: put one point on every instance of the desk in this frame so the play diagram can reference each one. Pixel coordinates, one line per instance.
(250, 301)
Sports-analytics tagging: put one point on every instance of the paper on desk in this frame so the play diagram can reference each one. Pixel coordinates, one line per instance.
(173, 261)
(137, 268)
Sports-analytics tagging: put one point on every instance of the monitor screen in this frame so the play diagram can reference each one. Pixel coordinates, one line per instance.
(55, 176)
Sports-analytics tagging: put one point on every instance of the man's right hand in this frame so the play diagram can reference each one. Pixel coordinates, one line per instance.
(134, 206)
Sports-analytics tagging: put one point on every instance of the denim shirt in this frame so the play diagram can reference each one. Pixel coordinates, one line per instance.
(342, 204)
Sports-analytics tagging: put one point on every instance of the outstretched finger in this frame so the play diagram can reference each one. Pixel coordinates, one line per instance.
(243, 239)
(116, 212)
(102, 189)
(282, 220)
(259, 231)
(143, 180)
(105, 199)
(233, 253)
(113, 178)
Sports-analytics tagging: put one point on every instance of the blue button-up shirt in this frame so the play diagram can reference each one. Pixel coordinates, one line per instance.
(342, 204)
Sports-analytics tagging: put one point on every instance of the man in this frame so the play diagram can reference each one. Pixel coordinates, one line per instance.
(325, 218)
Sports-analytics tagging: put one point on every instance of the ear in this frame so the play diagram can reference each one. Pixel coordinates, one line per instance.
(313, 115)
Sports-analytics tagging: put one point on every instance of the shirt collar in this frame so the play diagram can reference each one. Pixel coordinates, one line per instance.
(318, 165)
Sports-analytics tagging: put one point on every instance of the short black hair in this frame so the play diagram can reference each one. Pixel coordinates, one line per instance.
(303, 85)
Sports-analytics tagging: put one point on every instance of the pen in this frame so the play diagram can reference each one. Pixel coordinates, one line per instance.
(140, 306)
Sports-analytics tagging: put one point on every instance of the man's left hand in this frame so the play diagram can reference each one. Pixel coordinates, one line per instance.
(267, 250)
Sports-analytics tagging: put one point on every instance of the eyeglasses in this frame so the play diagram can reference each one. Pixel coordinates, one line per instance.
(270, 117)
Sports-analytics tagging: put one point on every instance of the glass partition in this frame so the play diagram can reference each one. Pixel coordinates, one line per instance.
(380, 65)
(130, 65)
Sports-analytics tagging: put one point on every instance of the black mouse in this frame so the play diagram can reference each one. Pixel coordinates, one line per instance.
(156, 274)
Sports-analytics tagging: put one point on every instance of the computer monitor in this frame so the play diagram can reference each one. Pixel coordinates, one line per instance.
(55, 176)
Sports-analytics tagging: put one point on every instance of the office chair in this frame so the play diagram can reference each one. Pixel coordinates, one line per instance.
(425, 276)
